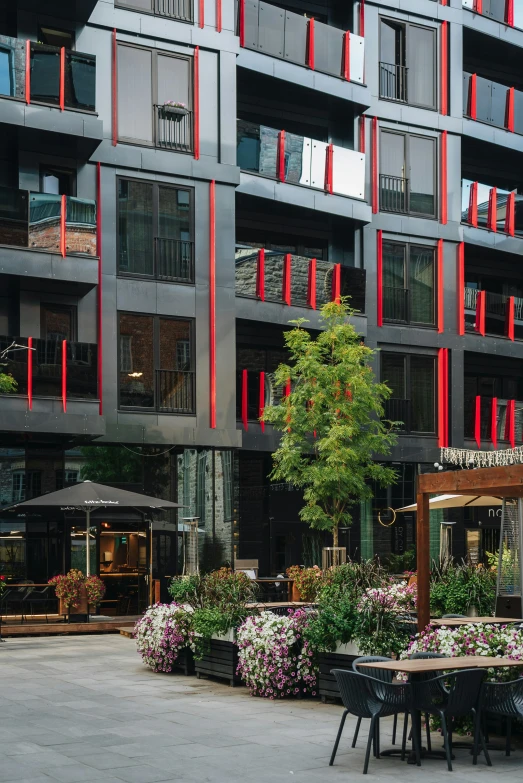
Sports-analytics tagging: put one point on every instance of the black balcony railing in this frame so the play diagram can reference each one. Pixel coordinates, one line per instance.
(175, 391)
(394, 194)
(174, 129)
(395, 303)
(399, 410)
(182, 10)
(174, 259)
(393, 82)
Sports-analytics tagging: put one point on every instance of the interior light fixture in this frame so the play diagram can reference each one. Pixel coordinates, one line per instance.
(135, 374)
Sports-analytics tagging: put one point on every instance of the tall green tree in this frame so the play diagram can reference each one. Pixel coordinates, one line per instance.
(112, 464)
(331, 420)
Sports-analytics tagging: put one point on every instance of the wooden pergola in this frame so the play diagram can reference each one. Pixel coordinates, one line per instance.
(504, 482)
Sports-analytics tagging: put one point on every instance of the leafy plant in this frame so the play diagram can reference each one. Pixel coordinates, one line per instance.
(331, 420)
(162, 633)
(308, 581)
(68, 588)
(456, 588)
(95, 589)
(187, 590)
(8, 385)
(378, 629)
(398, 564)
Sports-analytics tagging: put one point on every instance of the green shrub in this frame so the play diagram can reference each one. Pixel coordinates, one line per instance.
(456, 588)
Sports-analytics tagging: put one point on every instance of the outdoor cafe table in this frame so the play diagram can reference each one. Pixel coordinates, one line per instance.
(455, 622)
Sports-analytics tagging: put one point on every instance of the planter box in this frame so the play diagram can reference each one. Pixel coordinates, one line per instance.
(176, 113)
(341, 658)
(79, 613)
(185, 662)
(221, 660)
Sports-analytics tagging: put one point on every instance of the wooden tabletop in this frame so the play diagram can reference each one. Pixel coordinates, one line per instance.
(457, 621)
(419, 665)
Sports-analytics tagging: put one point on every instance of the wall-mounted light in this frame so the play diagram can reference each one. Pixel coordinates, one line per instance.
(135, 374)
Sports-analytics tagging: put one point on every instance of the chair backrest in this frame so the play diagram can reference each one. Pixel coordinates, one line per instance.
(379, 674)
(425, 656)
(247, 565)
(461, 695)
(454, 617)
(354, 692)
(503, 698)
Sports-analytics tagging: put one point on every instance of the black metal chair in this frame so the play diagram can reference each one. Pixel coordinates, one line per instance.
(379, 674)
(368, 697)
(451, 696)
(40, 598)
(17, 598)
(420, 656)
(506, 700)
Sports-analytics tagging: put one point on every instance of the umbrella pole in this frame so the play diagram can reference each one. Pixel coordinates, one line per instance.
(88, 548)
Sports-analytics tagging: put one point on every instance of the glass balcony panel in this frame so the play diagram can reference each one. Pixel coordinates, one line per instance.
(353, 284)
(318, 158)
(324, 272)
(495, 9)
(14, 226)
(297, 159)
(80, 81)
(466, 184)
(12, 67)
(252, 10)
(483, 99)
(518, 14)
(495, 309)
(518, 209)
(357, 58)
(82, 371)
(466, 93)
(328, 49)
(268, 151)
(499, 104)
(483, 201)
(15, 362)
(518, 109)
(80, 226)
(45, 73)
(248, 146)
(246, 265)
(501, 208)
(274, 276)
(47, 368)
(299, 280)
(348, 172)
(271, 31)
(295, 47)
(44, 221)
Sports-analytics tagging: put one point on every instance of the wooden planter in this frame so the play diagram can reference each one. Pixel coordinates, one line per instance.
(78, 613)
(341, 658)
(221, 660)
(184, 662)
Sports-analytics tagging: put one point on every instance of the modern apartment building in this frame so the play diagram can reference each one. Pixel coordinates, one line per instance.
(180, 179)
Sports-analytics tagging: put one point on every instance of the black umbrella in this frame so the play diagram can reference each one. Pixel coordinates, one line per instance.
(88, 496)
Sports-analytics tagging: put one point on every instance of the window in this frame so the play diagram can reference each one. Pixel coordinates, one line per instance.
(147, 80)
(412, 381)
(408, 283)
(27, 484)
(182, 10)
(407, 173)
(155, 231)
(58, 323)
(59, 182)
(156, 363)
(408, 63)
(65, 478)
(53, 37)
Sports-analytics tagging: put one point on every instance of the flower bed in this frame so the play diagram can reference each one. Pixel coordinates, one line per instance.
(162, 634)
(274, 660)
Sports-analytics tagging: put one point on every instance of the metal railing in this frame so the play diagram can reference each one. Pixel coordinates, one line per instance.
(393, 82)
(395, 303)
(182, 10)
(398, 410)
(174, 130)
(174, 259)
(175, 391)
(394, 194)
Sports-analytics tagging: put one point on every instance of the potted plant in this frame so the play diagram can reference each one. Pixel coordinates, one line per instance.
(462, 589)
(165, 637)
(307, 582)
(174, 110)
(77, 594)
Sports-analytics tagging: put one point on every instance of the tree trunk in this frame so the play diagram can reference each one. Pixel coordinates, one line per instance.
(335, 535)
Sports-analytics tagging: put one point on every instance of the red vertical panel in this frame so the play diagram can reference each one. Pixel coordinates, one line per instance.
(63, 213)
(64, 375)
(510, 318)
(362, 133)
(310, 44)
(281, 156)
(477, 422)
(461, 288)
(510, 215)
(336, 283)
(510, 423)
(212, 302)
(115, 88)
(286, 283)
(201, 13)
(61, 99)
(443, 394)
(374, 165)
(197, 103)
(260, 275)
(482, 301)
(329, 168)
(447, 397)
(245, 418)
(472, 216)
(100, 279)
(472, 96)
(28, 72)
(492, 213)
(440, 287)
(362, 18)
(218, 16)
(311, 284)
(379, 277)
(444, 194)
(444, 68)
(30, 373)
(509, 13)
(494, 422)
(241, 22)
(509, 112)
(261, 404)
(346, 56)
(478, 6)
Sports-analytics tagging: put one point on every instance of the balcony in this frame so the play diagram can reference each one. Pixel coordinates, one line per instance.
(509, 12)
(174, 260)
(175, 391)
(394, 194)
(299, 160)
(174, 128)
(294, 280)
(181, 10)
(393, 82)
(294, 38)
(495, 209)
(493, 315)
(496, 423)
(492, 103)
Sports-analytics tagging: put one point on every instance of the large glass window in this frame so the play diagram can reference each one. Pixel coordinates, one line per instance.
(412, 381)
(155, 231)
(156, 363)
(408, 283)
(408, 63)
(407, 173)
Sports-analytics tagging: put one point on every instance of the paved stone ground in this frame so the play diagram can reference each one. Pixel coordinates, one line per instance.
(86, 709)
